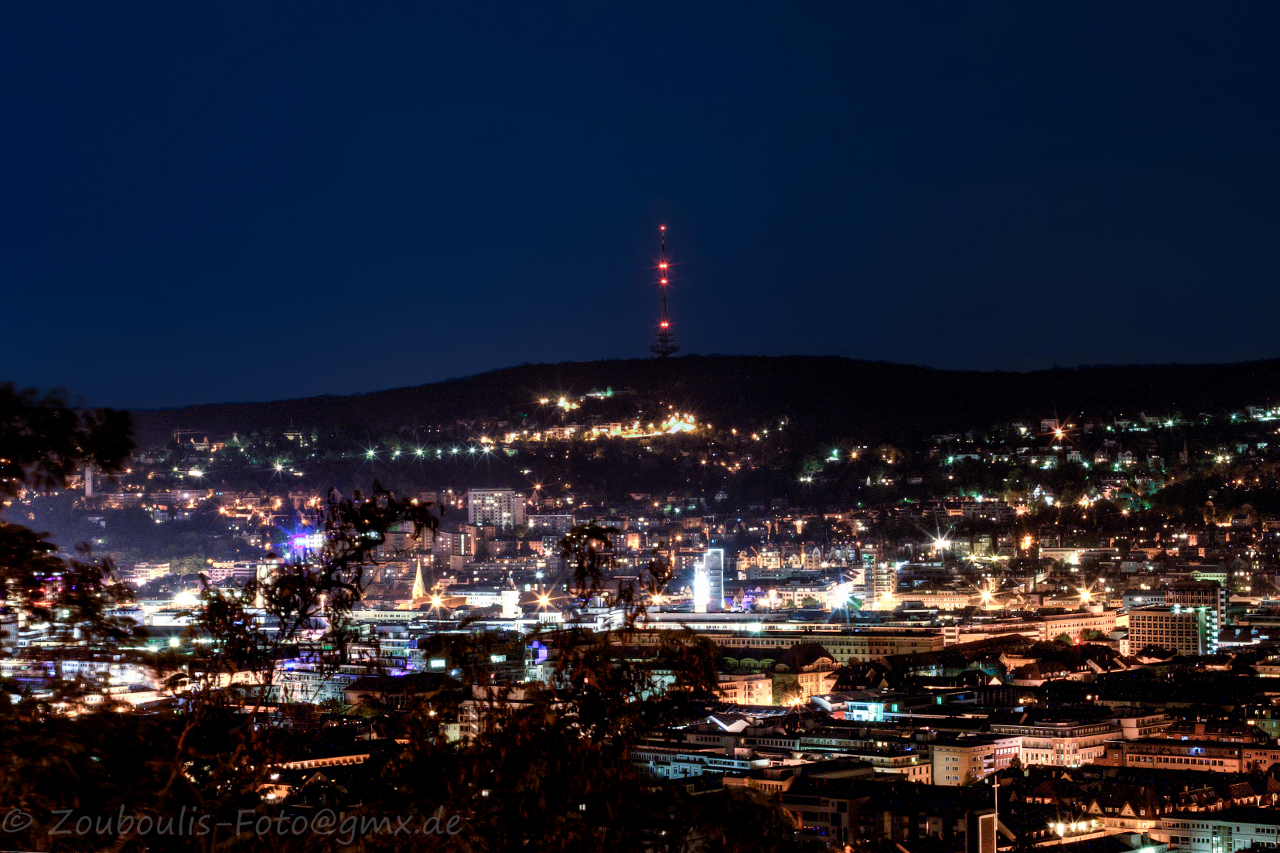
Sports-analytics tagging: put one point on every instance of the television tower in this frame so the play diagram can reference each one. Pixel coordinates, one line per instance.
(664, 340)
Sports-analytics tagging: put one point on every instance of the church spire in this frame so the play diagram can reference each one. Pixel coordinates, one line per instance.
(419, 585)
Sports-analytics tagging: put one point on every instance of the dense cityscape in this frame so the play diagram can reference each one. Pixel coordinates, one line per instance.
(1074, 615)
(639, 427)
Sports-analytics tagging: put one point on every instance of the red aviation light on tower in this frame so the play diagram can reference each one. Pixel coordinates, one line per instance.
(664, 340)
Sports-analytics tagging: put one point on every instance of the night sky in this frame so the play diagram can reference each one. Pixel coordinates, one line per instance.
(208, 202)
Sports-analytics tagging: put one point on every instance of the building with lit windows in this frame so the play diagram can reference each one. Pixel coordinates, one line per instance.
(1175, 754)
(962, 759)
(713, 569)
(1077, 625)
(711, 573)
(748, 631)
(503, 508)
(1186, 631)
(754, 688)
(1207, 595)
(1066, 743)
(667, 762)
(1220, 832)
(551, 524)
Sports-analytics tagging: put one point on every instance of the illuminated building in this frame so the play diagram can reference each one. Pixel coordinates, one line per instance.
(713, 569)
(1209, 595)
(961, 759)
(1067, 743)
(1174, 754)
(1226, 831)
(419, 593)
(456, 540)
(503, 508)
(746, 688)
(221, 571)
(1076, 625)
(1184, 630)
(881, 584)
(551, 524)
(666, 762)
(749, 633)
(701, 590)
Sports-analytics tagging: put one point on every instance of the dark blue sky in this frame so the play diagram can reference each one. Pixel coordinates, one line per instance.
(216, 201)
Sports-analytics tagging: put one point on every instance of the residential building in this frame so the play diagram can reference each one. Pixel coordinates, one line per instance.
(746, 688)
(503, 508)
(964, 758)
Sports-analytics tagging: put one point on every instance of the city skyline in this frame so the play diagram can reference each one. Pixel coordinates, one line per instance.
(641, 427)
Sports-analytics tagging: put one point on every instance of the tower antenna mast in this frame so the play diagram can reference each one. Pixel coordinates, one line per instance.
(664, 340)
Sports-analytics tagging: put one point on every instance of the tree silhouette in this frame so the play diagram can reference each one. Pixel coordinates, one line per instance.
(545, 765)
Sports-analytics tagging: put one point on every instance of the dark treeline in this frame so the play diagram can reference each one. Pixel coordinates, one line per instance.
(826, 397)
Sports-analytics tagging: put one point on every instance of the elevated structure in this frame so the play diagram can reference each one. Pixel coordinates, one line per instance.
(664, 339)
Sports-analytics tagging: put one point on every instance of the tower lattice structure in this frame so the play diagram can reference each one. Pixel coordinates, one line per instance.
(664, 339)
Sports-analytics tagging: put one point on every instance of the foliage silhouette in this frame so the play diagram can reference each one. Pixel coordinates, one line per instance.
(545, 765)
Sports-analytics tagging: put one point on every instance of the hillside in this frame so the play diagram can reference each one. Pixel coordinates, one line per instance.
(825, 397)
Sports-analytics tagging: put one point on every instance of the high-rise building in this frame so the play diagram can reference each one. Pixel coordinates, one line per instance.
(1189, 624)
(1195, 595)
(713, 567)
(1183, 630)
(881, 582)
(503, 508)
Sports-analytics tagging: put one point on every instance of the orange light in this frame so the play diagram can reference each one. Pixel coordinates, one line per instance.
(664, 281)
(662, 228)
(664, 324)
(663, 266)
